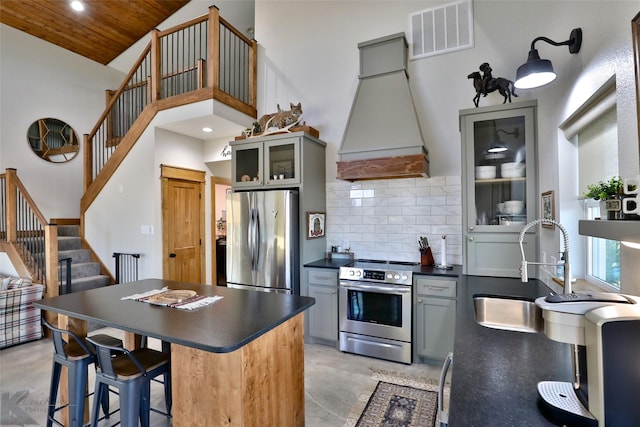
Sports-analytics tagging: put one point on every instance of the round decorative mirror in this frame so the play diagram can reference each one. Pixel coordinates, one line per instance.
(53, 140)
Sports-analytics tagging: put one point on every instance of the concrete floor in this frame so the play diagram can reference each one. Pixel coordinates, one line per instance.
(333, 382)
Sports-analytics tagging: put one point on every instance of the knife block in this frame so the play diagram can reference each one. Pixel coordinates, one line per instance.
(426, 257)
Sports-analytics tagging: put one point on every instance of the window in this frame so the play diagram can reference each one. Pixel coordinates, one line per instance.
(593, 133)
(598, 160)
(603, 256)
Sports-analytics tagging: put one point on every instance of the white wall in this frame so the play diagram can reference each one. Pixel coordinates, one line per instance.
(132, 197)
(39, 80)
(313, 58)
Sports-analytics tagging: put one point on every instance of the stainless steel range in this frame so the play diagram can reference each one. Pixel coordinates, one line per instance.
(375, 309)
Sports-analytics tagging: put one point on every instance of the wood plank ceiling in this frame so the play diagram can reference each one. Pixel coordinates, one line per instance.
(104, 30)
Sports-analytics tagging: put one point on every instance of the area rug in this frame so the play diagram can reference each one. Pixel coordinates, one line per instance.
(393, 399)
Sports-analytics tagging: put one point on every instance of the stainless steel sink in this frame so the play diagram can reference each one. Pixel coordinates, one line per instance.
(508, 313)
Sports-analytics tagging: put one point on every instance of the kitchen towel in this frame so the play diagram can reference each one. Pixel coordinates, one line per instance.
(195, 302)
(192, 303)
(145, 294)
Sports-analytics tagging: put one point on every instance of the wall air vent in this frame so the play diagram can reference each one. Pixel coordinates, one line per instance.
(441, 29)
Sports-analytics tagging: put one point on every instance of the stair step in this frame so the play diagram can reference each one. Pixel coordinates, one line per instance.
(80, 269)
(68, 243)
(86, 283)
(76, 255)
(69, 230)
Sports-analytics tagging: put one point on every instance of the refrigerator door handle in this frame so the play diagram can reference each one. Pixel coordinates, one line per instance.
(256, 236)
(251, 237)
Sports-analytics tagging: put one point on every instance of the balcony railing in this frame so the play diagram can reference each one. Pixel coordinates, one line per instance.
(205, 58)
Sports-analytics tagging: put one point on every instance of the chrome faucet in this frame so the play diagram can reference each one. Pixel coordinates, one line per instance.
(567, 268)
(575, 362)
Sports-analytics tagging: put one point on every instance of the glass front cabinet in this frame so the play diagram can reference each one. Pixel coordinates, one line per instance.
(500, 195)
(269, 161)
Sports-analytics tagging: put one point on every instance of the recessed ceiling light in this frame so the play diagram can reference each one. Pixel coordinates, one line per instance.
(207, 130)
(77, 5)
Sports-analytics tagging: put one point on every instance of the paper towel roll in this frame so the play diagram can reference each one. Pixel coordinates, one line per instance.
(443, 251)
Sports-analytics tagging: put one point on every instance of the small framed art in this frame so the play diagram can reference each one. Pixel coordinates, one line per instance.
(548, 209)
(315, 225)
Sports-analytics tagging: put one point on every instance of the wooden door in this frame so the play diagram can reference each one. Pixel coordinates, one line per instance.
(183, 224)
(219, 188)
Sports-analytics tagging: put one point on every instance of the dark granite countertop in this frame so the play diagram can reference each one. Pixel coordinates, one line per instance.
(495, 373)
(230, 323)
(424, 270)
(417, 270)
(328, 263)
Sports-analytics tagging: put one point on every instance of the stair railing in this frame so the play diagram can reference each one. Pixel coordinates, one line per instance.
(205, 58)
(66, 289)
(25, 230)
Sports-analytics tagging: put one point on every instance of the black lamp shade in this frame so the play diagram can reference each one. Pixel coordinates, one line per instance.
(536, 72)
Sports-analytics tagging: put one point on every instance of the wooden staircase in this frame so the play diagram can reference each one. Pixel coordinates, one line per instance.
(85, 273)
(224, 69)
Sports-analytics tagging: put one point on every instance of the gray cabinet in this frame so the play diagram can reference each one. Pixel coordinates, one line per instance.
(499, 187)
(435, 317)
(323, 316)
(293, 160)
(274, 161)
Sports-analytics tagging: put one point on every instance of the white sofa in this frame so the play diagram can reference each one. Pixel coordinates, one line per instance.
(19, 320)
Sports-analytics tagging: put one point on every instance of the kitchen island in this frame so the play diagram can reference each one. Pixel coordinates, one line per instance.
(495, 373)
(239, 361)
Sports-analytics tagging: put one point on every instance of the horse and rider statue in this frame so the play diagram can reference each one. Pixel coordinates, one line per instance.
(485, 83)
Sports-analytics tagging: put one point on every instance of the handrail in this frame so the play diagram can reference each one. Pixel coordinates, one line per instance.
(121, 89)
(27, 231)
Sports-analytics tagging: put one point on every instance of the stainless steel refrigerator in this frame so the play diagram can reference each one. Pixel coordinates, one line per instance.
(262, 240)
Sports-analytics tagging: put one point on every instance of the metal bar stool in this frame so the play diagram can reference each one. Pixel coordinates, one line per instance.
(76, 355)
(130, 372)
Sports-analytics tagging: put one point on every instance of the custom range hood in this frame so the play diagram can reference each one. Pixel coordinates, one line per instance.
(383, 138)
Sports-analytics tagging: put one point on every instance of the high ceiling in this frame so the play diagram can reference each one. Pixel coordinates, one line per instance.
(104, 30)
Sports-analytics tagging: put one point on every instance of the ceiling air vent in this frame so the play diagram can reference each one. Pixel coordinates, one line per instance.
(441, 29)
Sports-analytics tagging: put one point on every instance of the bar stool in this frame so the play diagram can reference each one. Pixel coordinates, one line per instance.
(130, 372)
(76, 356)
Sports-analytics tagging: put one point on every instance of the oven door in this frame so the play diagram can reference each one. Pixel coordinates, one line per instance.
(377, 310)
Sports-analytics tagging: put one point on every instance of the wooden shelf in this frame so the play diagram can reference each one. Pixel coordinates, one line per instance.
(612, 230)
(501, 180)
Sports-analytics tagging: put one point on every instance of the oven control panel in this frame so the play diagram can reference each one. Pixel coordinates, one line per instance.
(396, 277)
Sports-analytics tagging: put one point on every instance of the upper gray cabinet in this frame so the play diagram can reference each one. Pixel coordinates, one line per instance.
(499, 176)
(281, 160)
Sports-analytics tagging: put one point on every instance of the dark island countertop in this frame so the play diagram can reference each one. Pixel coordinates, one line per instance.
(495, 373)
(230, 323)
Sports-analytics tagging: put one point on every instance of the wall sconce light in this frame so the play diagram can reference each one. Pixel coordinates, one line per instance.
(538, 72)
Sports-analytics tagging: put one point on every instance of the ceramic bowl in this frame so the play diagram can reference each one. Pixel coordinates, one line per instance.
(512, 170)
(513, 207)
(485, 172)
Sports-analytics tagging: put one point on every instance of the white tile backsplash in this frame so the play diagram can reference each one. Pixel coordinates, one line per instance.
(383, 219)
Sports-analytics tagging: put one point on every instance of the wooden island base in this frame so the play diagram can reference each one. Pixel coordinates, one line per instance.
(260, 384)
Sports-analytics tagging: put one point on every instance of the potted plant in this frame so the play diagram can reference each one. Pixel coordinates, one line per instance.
(609, 193)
